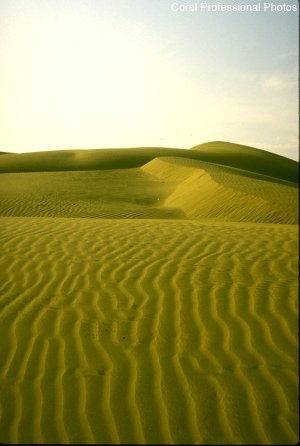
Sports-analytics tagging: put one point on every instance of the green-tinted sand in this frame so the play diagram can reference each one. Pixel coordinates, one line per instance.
(153, 303)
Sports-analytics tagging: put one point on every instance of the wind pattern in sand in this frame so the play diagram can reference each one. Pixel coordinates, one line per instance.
(169, 330)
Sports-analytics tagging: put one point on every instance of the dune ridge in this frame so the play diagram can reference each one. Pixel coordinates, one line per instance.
(223, 153)
(168, 187)
(152, 304)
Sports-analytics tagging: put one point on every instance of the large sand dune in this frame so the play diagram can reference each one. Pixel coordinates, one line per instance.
(151, 304)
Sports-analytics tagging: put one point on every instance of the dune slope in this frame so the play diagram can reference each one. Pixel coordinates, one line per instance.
(223, 153)
(116, 193)
(205, 190)
(249, 158)
(167, 187)
(149, 297)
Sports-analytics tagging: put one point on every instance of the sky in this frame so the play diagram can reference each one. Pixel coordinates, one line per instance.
(80, 74)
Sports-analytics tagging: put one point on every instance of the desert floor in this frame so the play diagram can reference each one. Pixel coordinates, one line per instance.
(151, 304)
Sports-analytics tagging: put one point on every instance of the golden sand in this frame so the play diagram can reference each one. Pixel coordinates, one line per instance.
(133, 311)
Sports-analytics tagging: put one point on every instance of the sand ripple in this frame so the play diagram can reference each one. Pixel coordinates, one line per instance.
(148, 331)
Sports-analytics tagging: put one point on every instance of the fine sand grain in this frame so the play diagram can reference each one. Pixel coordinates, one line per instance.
(153, 304)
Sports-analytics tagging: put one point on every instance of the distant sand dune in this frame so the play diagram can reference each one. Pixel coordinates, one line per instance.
(220, 152)
(148, 331)
(163, 188)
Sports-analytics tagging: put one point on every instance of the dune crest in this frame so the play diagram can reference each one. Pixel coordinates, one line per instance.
(223, 153)
(211, 191)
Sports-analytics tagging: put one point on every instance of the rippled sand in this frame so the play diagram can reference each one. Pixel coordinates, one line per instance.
(156, 304)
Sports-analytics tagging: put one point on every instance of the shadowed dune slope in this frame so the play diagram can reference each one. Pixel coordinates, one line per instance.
(238, 156)
(94, 159)
(249, 158)
(148, 331)
(119, 193)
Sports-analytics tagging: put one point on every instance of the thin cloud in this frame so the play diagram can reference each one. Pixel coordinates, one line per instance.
(289, 149)
(287, 55)
(279, 81)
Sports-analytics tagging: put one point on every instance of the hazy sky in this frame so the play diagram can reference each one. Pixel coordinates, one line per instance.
(126, 73)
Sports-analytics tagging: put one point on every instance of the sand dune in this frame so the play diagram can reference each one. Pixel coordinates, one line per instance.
(154, 304)
(205, 190)
(117, 193)
(163, 188)
(224, 153)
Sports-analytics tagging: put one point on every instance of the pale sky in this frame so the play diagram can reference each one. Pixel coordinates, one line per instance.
(130, 73)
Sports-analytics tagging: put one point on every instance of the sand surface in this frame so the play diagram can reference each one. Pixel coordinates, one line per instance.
(152, 304)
